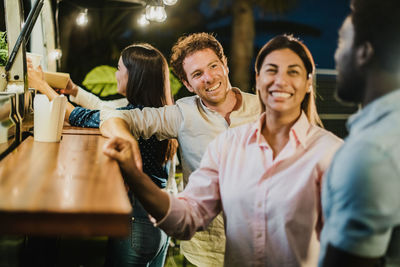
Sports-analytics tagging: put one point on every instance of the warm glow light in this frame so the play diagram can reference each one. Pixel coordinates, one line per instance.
(170, 2)
(156, 13)
(82, 18)
(142, 20)
(56, 54)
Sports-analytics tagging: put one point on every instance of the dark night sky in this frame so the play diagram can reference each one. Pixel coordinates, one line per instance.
(316, 22)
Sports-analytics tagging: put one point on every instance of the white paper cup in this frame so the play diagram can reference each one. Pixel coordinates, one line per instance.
(48, 118)
(35, 58)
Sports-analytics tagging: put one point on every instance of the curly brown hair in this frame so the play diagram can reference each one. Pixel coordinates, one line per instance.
(187, 45)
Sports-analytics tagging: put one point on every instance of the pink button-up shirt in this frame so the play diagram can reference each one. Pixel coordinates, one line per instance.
(270, 205)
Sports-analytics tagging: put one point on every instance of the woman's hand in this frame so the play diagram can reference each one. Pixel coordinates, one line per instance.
(70, 89)
(153, 199)
(126, 154)
(36, 77)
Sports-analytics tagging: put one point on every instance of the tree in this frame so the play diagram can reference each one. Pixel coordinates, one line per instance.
(243, 34)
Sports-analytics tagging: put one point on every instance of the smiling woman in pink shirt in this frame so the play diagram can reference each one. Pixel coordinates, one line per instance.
(264, 176)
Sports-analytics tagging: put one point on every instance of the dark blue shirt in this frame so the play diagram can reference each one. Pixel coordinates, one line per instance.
(152, 150)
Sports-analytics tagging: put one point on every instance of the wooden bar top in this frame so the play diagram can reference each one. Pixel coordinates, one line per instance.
(65, 188)
(80, 130)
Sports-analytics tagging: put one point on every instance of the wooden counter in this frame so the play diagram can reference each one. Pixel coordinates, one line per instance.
(79, 130)
(66, 188)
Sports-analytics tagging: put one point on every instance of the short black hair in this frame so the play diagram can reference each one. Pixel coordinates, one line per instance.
(378, 22)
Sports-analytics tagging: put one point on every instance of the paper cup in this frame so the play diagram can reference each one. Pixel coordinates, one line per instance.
(35, 58)
(48, 118)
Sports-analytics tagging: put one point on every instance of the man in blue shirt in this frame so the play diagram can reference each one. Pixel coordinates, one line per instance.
(361, 192)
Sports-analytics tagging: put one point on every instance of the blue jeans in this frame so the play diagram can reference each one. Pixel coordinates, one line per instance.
(146, 246)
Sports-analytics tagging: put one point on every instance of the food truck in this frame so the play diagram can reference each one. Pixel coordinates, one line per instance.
(16, 99)
(67, 187)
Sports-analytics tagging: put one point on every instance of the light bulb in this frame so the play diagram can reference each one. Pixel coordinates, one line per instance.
(170, 2)
(142, 21)
(156, 13)
(55, 54)
(82, 18)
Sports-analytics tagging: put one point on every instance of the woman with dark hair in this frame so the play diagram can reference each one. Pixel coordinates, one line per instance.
(264, 176)
(143, 77)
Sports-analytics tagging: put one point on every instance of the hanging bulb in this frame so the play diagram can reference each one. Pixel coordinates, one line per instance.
(156, 13)
(170, 2)
(162, 15)
(55, 54)
(142, 21)
(82, 18)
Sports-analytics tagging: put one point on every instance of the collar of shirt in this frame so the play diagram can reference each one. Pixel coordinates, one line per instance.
(373, 111)
(239, 97)
(297, 134)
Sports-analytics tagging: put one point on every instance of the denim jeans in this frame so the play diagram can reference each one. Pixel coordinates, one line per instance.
(146, 246)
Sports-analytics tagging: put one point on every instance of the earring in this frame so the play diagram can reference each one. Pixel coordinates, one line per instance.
(310, 88)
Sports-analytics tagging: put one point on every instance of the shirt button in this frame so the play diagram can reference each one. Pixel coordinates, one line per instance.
(259, 204)
(259, 235)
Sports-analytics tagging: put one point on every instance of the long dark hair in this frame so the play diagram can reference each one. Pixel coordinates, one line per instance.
(147, 83)
(288, 41)
(146, 75)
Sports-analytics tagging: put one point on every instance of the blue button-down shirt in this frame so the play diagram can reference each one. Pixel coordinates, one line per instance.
(361, 192)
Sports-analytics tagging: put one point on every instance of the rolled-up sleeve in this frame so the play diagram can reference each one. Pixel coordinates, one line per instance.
(194, 208)
(83, 117)
(164, 122)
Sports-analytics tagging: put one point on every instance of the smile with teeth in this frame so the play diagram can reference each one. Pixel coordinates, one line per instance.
(280, 94)
(211, 89)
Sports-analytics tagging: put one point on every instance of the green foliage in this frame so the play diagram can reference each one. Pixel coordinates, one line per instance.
(101, 81)
(174, 256)
(176, 84)
(3, 49)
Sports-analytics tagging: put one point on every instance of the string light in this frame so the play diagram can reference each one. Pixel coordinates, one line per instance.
(55, 54)
(82, 18)
(153, 12)
(142, 21)
(156, 13)
(170, 2)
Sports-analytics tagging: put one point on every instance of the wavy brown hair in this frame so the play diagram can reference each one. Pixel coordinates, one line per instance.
(187, 45)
